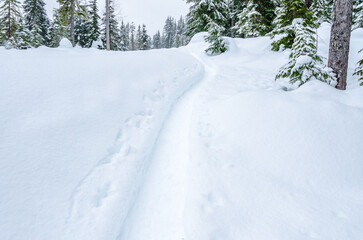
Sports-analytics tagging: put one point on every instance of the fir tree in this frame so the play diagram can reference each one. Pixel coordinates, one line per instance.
(250, 23)
(357, 14)
(304, 62)
(21, 37)
(83, 30)
(115, 39)
(138, 38)
(359, 70)
(37, 21)
(214, 37)
(9, 19)
(157, 41)
(322, 10)
(144, 40)
(169, 32)
(283, 34)
(267, 10)
(124, 37)
(94, 17)
(57, 30)
(180, 36)
(132, 37)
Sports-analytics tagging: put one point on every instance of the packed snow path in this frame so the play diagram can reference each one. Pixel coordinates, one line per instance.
(207, 148)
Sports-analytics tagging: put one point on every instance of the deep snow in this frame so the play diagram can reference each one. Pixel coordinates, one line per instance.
(174, 144)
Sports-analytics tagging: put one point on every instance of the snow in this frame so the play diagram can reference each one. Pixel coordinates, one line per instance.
(65, 43)
(174, 144)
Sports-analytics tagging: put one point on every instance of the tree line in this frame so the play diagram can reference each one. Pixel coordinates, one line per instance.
(82, 25)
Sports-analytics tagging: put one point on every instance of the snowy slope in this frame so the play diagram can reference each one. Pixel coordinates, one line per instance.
(173, 144)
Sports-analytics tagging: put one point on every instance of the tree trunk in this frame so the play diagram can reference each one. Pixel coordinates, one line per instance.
(72, 22)
(108, 44)
(340, 40)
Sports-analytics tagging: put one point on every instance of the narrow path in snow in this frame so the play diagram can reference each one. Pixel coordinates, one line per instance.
(161, 200)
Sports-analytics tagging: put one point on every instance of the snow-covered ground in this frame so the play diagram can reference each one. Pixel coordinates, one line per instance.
(174, 144)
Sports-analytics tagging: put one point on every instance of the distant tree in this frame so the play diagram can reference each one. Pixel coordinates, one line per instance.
(169, 32)
(180, 35)
(124, 37)
(145, 41)
(132, 37)
(340, 40)
(156, 42)
(114, 32)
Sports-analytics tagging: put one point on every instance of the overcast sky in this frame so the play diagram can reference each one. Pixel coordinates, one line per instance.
(151, 12)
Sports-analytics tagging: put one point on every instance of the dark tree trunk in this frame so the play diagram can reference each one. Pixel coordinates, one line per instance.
(340, 40)
(72, 22)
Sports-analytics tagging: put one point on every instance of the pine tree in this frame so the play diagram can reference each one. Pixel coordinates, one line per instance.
(357, 14)
(132, 37)
(94, 17)
(283, 34)
(250, 23)
(138, 41)
(157, 41)
(304, 63)
(21, 37)
(9, 19)
(115, 39)
(267, 10)
(124, 37)
(169, 32)
(322, 10)
(180, 36)
(359, 70)
(37, 21)
(57, 30)
(144, 40)
(83, 30)
(214, 37)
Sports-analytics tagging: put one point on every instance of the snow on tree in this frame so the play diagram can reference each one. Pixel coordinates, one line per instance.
(83, 30)
(359, 70)
(357, 14)
(21, 37)
(156, 42)
(132, 37)
(57, 30)
(180, 37)
(9, 19)
(250, 23)
(115, 39)
(37, 21)
(169, 32)
(217, 44)
(304, 62)
(94, 18)
(283, 34)
(124, 36)
(144, 40)
(322, 10)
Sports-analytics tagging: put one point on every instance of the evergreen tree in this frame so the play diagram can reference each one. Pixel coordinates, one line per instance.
(83, 30)
(357, 14)
(21, 37)
(94, 18)
(250, 23)
(267, 10)
(37, 21)
(157, 41)
(235, 8)
(180, 35)
(304, 62)
(124, 36)
(359, 70)
(57, 30)
(169, 32)
(115, 39)
(283, 34)
(322, 10)
(9, 19)
(138, 38)
(144, 40)
(132, 37)
(214, 37)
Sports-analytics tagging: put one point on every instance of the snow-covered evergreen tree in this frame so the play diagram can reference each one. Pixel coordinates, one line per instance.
(217, 45)
(357, 14)
(138, 38)
(169, 32)
(283, 34)
(83, 30)
(132, 37)
(322, 10)
(304, 62)
(144, 39)
(359, 70)
(94, 18)
(124, 37)
(37, 21)
(57, 30)
(156, 43)
(180, 37)
(9, 19)
(250, 21)
(21, 37)
(115, 39)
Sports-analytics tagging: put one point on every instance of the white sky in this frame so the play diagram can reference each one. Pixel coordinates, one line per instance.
(151, 12)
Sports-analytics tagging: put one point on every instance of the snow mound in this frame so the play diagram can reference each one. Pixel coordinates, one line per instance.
(65, 43)
(198, 38)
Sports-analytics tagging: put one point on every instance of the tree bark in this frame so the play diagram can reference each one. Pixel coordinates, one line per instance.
(108, 43)
(340, 40)
(72, 22)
